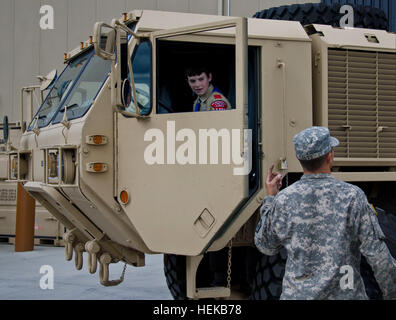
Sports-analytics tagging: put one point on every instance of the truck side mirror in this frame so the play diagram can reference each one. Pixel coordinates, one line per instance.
(126, 94)
(48, 80)
(104, 41)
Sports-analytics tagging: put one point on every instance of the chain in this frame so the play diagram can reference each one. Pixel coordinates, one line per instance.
(229, 264)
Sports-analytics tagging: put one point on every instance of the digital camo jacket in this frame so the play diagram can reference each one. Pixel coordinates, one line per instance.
(325, 224)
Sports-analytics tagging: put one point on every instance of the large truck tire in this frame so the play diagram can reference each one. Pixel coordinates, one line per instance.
(388, 226)
(243, 262)
(387, 222)
(267, 284)
(373, 290)
(175, 274)
(320, 13)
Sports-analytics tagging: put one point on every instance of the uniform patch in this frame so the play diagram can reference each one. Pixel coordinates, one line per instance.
(217, 96)
(219, 105)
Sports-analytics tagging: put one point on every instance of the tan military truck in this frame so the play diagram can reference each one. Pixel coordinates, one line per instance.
(47, 229)
(117, 154)
(8, 191)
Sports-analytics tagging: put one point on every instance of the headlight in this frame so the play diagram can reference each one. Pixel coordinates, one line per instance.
(53, 164)
(68, 166)
(19, 164)
(61, 165)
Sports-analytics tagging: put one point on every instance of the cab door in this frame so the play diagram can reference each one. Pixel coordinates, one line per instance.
(183, 175)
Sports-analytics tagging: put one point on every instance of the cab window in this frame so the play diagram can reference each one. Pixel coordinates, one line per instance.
(59, 91)
(174, 94)
(85, 90)
(173, 58)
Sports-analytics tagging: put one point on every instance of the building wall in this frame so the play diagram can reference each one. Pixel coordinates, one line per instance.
(27, 51)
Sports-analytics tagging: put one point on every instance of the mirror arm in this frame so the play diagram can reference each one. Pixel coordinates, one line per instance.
(118, 68)
(36, 129)
(133, 114)
(129, 31)
(21, 108)
(132, 84)
(115, 68)
(65, 121)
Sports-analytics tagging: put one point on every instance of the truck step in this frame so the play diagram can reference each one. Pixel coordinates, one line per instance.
(212, 292)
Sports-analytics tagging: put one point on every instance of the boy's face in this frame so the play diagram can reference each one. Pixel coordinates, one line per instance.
(200, 84)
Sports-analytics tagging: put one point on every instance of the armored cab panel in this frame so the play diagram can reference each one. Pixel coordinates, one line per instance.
(202, 203)
(354, 92)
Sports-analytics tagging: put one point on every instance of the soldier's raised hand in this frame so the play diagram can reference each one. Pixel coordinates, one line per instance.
(273, 183)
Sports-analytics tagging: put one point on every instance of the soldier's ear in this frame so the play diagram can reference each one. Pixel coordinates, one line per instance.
(330, 157)
(210, 76)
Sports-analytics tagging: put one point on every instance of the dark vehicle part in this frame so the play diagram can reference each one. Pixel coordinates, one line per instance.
(212, 271)
(6, 129)
(387, 222)
(267, 285)
(320, 13)
(175, 274)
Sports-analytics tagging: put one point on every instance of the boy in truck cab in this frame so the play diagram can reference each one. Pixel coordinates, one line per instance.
(209, 97)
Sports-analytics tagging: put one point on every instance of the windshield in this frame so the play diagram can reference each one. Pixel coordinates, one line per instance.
(85, 90)
(59, 91)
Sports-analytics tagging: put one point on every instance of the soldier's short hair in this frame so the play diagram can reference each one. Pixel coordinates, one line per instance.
(196, 71)
(314, 164)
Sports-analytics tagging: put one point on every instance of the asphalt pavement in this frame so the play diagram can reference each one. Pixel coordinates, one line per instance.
(20, 277)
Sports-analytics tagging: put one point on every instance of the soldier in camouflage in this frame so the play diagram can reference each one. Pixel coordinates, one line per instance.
(209, 97)
(325, 225)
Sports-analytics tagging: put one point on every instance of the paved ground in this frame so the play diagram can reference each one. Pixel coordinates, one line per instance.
(20, 278)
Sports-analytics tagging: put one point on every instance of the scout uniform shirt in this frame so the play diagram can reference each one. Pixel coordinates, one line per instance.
(325, 225)
(212, 100)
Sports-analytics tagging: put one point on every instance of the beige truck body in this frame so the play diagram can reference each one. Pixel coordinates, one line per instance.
(117, 206)
(47, 229)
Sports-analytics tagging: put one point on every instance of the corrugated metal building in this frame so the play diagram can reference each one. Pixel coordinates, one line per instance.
(28, 51)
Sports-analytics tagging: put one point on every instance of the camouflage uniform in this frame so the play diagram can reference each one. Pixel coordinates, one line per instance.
(324, 224)
(212, 100)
